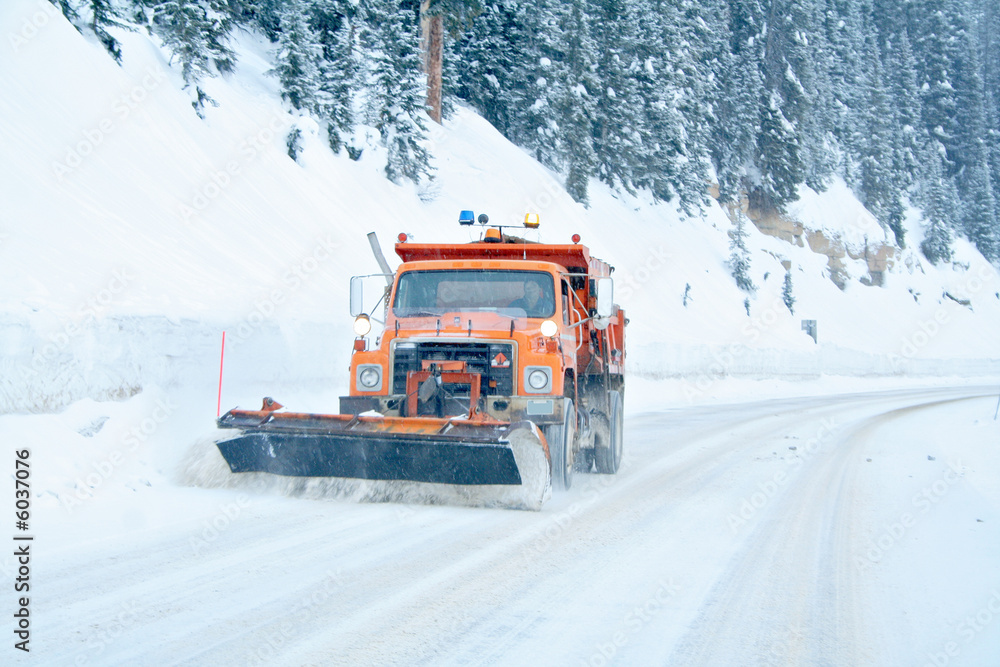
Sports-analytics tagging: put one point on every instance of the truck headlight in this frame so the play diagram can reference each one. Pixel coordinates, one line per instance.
(549, 328)
(362, 325)
(538, 379)
(369, 377)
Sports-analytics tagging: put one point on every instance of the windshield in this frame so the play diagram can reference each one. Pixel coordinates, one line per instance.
(516, 293)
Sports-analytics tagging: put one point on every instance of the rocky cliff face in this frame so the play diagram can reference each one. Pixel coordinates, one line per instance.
(878, 256)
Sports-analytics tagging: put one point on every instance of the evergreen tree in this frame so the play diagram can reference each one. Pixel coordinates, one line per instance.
(576, 103)
(196, 32)
(779, 163)
(619, 131)
(671, 50)
(937, 51)
(739, 258)
(396, 92)
(484, 60)
(990, 57)
(878, 188)
(105, 14)
(784, 104)
(786, 293)
(911, 139)
(297, 58)
(844, 36)
(539, 84)
(331, 21)
(939, 204)
(261, 15)
(979, 214)
(737, 111)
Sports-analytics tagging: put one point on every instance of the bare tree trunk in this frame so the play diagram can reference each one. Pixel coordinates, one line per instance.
(434, 68)
(432, 45)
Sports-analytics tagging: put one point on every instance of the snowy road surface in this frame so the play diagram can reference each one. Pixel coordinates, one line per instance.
(857, 529)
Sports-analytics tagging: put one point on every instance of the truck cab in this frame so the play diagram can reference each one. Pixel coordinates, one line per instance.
(504, 330)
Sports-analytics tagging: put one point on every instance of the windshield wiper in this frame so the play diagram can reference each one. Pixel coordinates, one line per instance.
(418, 313)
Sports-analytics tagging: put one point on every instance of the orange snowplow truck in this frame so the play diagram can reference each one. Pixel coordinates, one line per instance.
(494, 354)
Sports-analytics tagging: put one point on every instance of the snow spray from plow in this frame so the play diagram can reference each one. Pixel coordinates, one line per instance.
(206, 467)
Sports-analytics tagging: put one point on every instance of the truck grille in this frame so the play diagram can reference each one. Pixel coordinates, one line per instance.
(478, 358)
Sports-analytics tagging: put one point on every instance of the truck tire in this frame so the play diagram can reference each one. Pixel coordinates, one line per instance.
(608, 455)
(560, 440)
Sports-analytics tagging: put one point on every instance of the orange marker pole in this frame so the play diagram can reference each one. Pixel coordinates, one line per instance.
(222, 358)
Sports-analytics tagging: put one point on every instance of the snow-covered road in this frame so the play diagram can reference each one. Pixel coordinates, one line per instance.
(859, 529)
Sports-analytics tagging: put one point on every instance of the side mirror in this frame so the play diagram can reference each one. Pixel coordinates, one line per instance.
(357, 296)
(605, 297)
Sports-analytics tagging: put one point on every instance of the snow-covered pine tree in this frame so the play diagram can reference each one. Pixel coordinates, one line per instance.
(658, 91)
(332, 22)
(539, 83)
(786, 70)
(786, 293)
(619, 130)
(692, 43)
(484, 61)
(736, 102)
(990, 45)
(877, 188)
(979, 210)
(297, 57)
(105, 14)
(576, 104)
(978, 216)
(396, 90)
(939, 204)
(294, 143)
(909, 136)
(262, 15)
(794, 68)
(844, 37)
(197, 34)
(779, 163)
(739, 257)
(935, 44)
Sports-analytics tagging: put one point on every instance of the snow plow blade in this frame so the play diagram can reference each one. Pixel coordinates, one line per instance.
(442, 451)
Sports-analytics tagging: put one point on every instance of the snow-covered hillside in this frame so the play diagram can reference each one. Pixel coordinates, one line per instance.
(134, 233)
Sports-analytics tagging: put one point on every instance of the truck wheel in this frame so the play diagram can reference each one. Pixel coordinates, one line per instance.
(608, 455)
(560, 440)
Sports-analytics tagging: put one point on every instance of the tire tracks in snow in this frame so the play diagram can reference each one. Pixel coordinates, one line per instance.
(791, 594)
